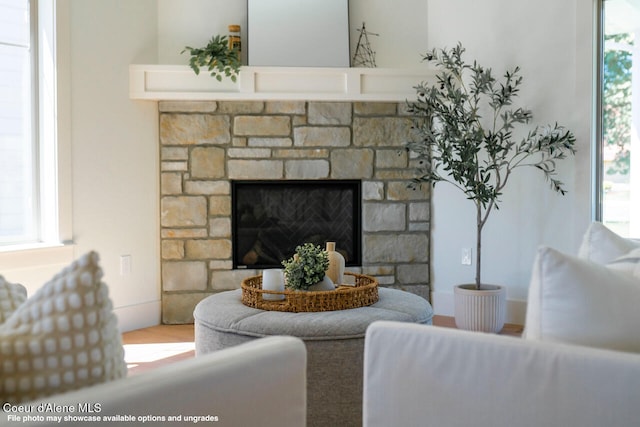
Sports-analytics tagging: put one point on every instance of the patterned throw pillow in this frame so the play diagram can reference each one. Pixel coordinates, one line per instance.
(63, 338)
(12, 295)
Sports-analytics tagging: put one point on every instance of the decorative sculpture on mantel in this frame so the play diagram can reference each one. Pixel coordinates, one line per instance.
(364, 56)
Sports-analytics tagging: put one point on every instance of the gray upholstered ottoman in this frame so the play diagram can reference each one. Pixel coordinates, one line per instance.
(334, 340)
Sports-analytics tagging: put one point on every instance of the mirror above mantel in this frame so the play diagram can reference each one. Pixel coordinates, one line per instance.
(298, 33)
(179, 82)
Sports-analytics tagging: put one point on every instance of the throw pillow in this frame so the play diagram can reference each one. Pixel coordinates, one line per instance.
(601, 245)
(63, 338)
(12, 295)
(629, 263)
(576, 301)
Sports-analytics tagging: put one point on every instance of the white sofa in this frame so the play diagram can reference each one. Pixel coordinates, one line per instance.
(577, 365)
(260, 383)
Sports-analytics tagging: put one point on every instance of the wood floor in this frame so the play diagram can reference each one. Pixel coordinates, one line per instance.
(150, 348)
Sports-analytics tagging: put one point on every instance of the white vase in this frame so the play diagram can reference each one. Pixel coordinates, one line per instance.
(273, 280)
(336, 264)
(482, 310)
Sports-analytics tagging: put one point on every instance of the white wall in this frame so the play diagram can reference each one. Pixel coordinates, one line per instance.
(193, 22)
(552, 42)
(115, 151)
(401, 25)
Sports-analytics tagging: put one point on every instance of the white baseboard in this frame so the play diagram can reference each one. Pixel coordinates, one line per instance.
(138, 316)
(443, 306)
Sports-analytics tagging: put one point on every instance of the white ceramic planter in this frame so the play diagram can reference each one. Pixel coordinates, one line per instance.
(481, 310)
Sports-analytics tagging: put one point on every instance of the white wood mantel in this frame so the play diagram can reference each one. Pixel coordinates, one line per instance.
(179, 82)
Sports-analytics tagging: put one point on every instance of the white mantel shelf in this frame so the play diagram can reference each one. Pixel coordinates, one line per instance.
(179, 82)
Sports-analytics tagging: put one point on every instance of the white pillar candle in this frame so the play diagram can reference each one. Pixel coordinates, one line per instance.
(273, 280)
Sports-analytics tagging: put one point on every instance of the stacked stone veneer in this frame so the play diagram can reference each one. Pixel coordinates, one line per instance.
(205, 145)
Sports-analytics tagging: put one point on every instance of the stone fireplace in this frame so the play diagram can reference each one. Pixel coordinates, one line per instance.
(206, 145)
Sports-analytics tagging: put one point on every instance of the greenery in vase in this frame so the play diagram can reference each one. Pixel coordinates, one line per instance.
(307, 267)
(464, 127)
(217, 57)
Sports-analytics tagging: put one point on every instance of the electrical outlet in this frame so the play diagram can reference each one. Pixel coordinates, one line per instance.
(466, 256)
(125, 265)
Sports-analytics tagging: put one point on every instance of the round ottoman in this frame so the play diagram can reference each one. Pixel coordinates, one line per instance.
(334, 341)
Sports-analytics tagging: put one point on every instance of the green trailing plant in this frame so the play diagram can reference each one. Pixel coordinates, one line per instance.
(464, 127)
(217, 57)
(307, 266)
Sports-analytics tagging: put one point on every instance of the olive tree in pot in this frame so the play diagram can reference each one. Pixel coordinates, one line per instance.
(465, 134)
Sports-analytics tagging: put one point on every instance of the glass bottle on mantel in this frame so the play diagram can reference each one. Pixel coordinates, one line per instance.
(336, 264)
(235, 42)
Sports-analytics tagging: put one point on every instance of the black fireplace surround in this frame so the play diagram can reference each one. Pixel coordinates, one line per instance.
(271, 218)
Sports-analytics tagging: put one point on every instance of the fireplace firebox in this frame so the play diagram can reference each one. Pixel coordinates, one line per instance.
(271, 218)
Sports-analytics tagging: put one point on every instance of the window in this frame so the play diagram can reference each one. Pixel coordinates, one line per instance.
(619, 152)
(27, 124)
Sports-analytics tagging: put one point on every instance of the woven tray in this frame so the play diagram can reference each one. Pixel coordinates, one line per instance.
(365, 292)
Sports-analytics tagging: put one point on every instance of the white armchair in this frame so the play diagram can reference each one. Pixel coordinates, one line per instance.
(260, 383)
(417, 375)
(577, 365)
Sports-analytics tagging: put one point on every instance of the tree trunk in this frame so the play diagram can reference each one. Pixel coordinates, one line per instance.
(479, 224)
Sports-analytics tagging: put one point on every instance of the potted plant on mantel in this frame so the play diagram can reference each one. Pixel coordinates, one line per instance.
(464, 126)
(219, 58)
